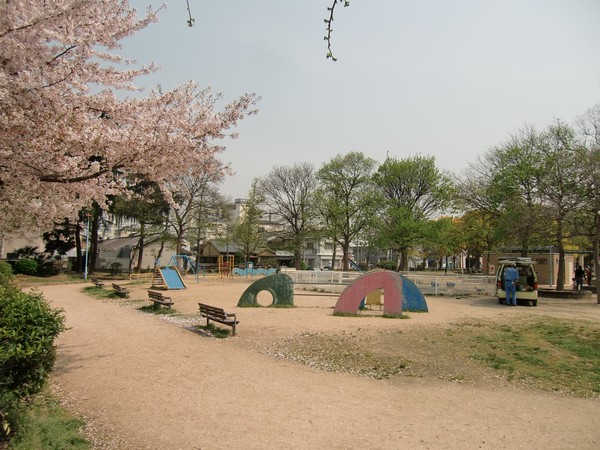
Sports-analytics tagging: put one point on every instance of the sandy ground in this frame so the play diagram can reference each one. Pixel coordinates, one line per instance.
(143, 382)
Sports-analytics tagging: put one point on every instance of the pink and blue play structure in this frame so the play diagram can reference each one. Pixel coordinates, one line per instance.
(399, 293)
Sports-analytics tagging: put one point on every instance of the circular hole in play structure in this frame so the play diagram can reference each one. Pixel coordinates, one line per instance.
(264, 298)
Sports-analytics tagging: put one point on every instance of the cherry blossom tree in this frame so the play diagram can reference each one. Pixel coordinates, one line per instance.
(68, 133)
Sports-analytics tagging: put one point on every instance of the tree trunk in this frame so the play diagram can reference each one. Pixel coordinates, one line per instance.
(333, 255)
(141, 244)
(94, 238)
(345, 257)
(78, 258)
(560, 277)
(403, 261)
(297, 259)
(596, 262)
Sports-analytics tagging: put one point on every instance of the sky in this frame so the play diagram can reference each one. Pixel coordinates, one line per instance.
(443, 78)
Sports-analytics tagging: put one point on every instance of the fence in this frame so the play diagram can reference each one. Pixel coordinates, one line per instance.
(430, 283)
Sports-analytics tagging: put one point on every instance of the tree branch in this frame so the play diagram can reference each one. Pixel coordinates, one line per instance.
(329, 29)
(191, 20)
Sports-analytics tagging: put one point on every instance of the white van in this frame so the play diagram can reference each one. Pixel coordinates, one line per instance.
(527, 286)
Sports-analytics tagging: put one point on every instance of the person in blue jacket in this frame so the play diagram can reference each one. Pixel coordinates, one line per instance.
(511, 276)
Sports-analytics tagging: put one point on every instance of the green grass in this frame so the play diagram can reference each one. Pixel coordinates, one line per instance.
(47, 425)
(549, 354)
(543, 354)
(157, 309)
(100, 293)
(219, 333)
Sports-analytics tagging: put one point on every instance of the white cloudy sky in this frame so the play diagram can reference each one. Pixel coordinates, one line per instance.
(447, 78)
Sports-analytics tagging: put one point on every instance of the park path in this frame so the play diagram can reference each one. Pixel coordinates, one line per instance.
(146, 383)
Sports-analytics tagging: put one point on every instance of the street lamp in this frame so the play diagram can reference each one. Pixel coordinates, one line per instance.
(87, 245)
(550, 264)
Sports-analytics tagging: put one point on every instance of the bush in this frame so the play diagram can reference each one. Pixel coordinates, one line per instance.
(26, 266)
(28, 327)
(387, 265)
(116, 268)
(6, 274)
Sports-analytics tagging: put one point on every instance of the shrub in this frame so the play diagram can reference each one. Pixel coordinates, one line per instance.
(387, 265)
(6, 274)
(28, 327)
(116, 268)
(26, 266)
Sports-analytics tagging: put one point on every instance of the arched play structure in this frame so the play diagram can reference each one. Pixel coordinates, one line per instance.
(399, 293)
(169, 277)
(280, 285)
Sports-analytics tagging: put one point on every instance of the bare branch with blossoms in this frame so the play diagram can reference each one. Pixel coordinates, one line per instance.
(63, 147)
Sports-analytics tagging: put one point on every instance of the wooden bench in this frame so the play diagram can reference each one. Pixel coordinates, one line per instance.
(218, 315)
(97, 282)
(159, 299)
(121, 291)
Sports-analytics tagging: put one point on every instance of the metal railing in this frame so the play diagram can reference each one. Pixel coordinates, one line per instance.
(430, 283)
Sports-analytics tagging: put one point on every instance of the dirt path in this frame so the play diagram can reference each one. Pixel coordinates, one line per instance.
(143, 382)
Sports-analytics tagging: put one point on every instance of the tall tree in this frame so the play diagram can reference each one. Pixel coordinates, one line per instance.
(414, 190)
(515, 169)
(561, 185)
(590, 160)
(188, 192)
(248, 231)
(288, 193)
(346, 199)
(476, 197)
(146, 206)
(65, 145)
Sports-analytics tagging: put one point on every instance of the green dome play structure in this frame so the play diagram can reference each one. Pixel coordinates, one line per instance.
(280, 285)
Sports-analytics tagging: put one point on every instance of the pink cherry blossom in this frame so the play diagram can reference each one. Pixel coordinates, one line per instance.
(68, 134)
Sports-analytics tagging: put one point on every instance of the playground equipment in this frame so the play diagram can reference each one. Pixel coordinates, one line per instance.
(279, 285)
(226, 263)
(251, 272)
(169, 275)
(189, 264)
(400, 293)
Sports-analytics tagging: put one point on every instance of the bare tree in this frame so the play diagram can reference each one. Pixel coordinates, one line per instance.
(190, 195)
(590, 129)
(288, 193)
(248, 231)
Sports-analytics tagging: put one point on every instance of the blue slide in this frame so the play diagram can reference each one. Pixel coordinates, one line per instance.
(172, 278)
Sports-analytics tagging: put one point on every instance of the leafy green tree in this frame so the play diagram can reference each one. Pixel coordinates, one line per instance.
(444, 237)
(515, 167)
(479, 233)
(414, 190)
(561, 185)
(146, 206)
(346, 199)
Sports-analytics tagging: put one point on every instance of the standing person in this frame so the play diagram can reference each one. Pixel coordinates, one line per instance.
(588, 275)
(511, 275)
(579, 277)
